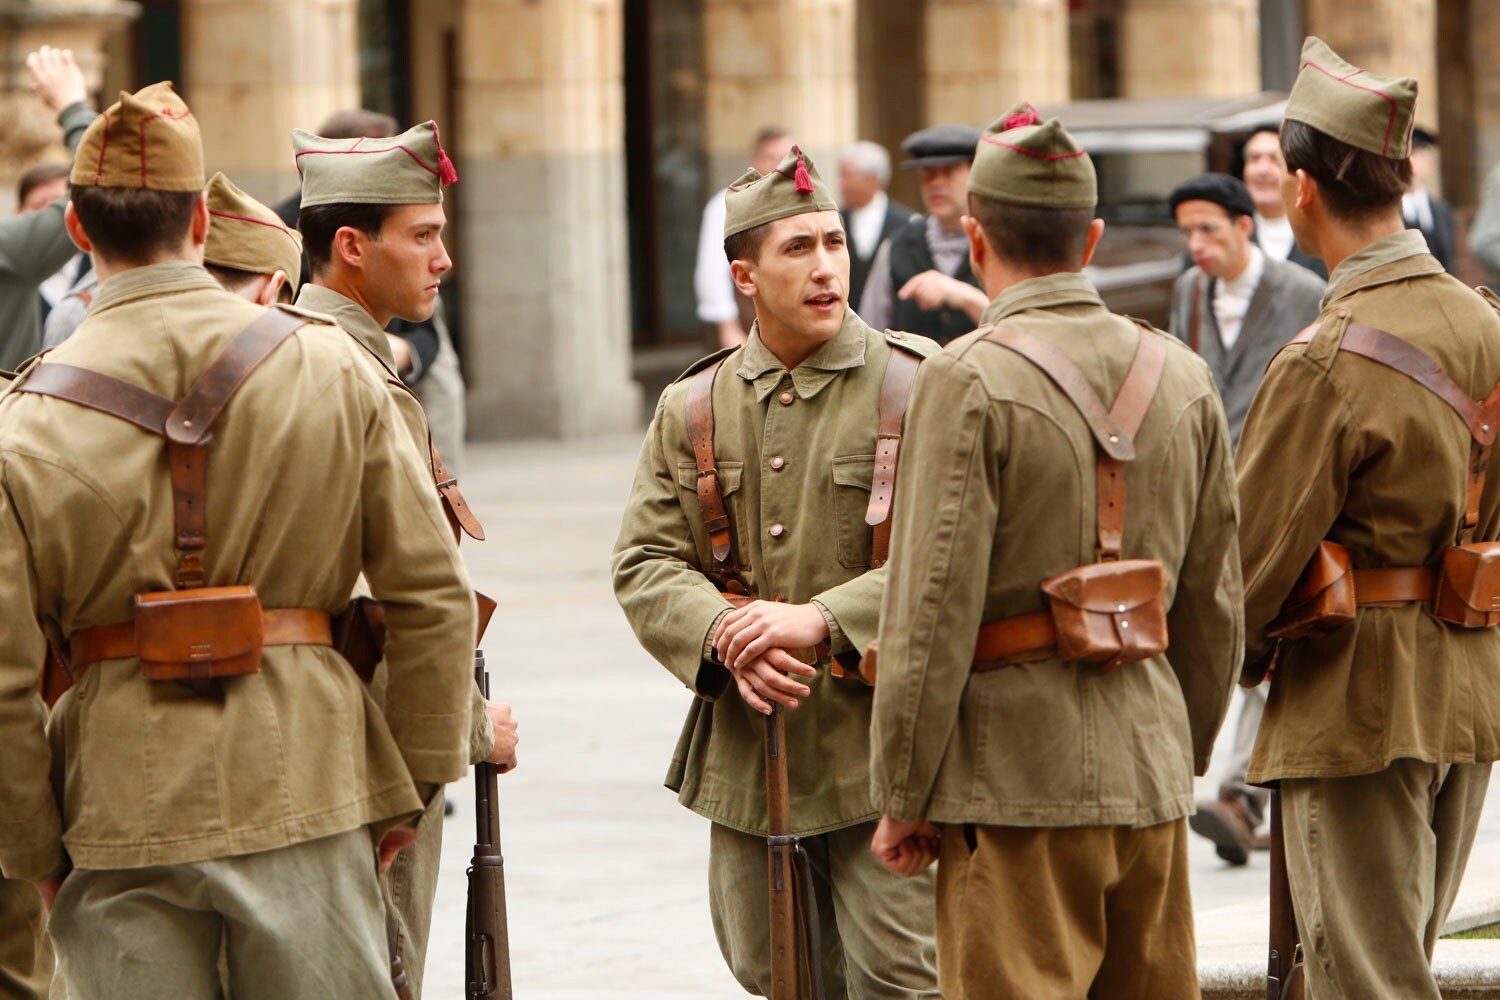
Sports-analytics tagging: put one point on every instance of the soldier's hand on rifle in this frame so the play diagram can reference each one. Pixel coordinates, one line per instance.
(504, 725)
(56, 78)
(906, 847)
(765, 678)
(748, 633)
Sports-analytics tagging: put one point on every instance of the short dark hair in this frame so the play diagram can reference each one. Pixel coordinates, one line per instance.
(35, 177)
(234, 279)
(319, 223)
(1356, 184)
(134, 225)
(1034, 237)
(746, 245)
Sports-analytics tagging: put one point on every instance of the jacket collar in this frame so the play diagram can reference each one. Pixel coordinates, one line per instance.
(1064, 288)
(1391, 258)
(152, 279)
(352, 317)
(846, 350)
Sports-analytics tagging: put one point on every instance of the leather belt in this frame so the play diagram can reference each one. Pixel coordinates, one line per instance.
(284, 627)
(1033, 636)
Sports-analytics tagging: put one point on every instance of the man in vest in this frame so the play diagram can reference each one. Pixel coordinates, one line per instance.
(1054, 783)
(790, 451)
(1380, 732)
(215, 764)
(920, 280)
(372, 226)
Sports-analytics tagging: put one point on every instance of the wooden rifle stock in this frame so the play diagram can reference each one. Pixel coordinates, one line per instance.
(487, 957)
(1284, 980)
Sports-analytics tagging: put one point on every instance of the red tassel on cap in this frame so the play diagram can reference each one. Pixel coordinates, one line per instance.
(1020, 120)
(803, 179)
(447, 174)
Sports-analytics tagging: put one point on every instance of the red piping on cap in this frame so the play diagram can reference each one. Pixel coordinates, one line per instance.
(246, 218)
(804, 181)
(1386, 148)
(1031, 152)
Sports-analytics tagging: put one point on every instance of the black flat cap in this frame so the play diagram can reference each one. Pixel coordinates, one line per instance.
(941, 144)
(1223, 190)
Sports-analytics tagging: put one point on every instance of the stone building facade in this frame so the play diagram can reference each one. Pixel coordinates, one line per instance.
(589, 133)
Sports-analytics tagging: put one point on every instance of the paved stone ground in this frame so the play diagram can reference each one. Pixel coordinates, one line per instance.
(607, 874)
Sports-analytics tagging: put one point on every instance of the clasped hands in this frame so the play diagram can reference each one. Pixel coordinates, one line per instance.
(753, 643)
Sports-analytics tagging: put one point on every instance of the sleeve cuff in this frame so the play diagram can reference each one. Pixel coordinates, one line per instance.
(838, 642)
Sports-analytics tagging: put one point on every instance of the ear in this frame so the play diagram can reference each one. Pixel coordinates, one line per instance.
(75, 229)
(979, 249)
(270, 289)
(744, 278)
(1096, 233)
(201, 219)
(1307, 190)
(349, 246)
(1246, 224)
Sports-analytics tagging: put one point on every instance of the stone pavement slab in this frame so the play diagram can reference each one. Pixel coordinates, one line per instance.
(607, 874)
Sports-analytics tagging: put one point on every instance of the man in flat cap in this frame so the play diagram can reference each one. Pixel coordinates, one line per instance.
(1379, 732)
(759, 477)
(920, 280)
(1236, 307)
(214, 764)
(371, 222)
(1055, 772)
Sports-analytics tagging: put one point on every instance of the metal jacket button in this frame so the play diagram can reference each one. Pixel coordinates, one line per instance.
(787, 397)
(778, 462)
(777, 530)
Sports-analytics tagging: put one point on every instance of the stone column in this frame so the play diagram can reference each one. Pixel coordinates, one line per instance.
(28, 130)
(253, 70)
(984, 55)
(541, 166)
(1390, 37)
(778, 62)
(1189, 48)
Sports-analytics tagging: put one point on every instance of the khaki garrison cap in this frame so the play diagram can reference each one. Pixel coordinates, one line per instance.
(248, 236)
(1369, 112)
(408, 169)
(791, 189)
(1023, 160)
(148, 139)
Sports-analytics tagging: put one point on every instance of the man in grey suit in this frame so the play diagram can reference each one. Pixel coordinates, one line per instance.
(1236, 306)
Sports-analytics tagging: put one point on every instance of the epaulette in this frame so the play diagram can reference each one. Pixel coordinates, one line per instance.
(308, 314)
(704, 362)
(912, 343)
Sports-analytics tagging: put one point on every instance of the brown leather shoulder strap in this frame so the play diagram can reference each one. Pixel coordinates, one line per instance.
(1110, 436)
(895, 394)
(1129, 411)
(1411, 361)
(459, 513)
(195, 414)
(700, 426)
(104, 393)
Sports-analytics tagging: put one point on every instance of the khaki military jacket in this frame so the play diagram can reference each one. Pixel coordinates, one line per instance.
(1337, 446)
(315, 300)
(820, 419)
(311, 479)
(997, 495)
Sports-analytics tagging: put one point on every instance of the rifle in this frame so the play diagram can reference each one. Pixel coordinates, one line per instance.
(796, 966)
(487, 961)
(1284, 980)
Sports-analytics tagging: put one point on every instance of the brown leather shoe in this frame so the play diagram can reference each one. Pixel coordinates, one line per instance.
(1225, 823)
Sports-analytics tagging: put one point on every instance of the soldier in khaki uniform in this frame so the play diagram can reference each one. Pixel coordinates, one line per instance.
(372, 221)
(155, 815)
(1060, 786)
(1380, 734)
(249, 250)
(795, 423)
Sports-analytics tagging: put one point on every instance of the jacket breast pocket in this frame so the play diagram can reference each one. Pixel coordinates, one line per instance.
(851, 499)
(731, 476)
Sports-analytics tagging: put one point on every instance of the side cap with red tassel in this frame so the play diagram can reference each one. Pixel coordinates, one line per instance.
(792, 188)
(409, 169)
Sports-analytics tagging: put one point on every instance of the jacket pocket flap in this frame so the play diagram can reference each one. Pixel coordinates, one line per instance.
(854, 470)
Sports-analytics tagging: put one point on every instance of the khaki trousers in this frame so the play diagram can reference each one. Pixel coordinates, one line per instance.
(876, 928)
(411, 886)
(1374, 863)
(25, 951)
(1065, 913)
(300, 921)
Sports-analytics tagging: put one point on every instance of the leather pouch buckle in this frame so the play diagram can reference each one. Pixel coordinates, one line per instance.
(1468, 590)
(1110, 612)
(200, 634)
(1322, 600)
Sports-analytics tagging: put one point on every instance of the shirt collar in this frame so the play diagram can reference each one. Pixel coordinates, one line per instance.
(846, 350)
(352, 317)
(876, 207)
(152, 279)
(1063, 288)
(938, 237)
(1355, 271)
(1245, 284)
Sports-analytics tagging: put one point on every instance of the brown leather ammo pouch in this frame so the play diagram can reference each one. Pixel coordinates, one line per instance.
(1110, 612)
(1322, 600)
(359, 635)
(1468, 590)
(199, 634)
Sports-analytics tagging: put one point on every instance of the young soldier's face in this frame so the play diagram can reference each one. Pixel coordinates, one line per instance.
(800, 283)
(404, 268)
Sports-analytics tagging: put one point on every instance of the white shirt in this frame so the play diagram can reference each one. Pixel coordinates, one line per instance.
(712, 282)
(1275, 236)
(1232, 298)
(1416, 209)
(865, 225)
(55, 287)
